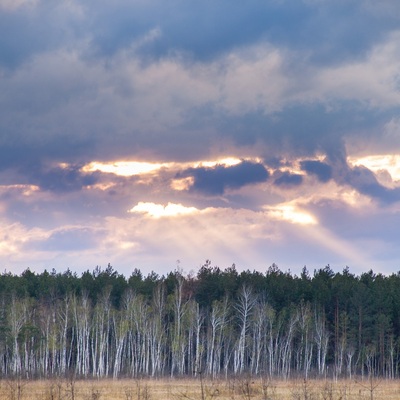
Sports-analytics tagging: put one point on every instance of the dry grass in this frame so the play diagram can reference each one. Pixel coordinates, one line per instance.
(189, 389)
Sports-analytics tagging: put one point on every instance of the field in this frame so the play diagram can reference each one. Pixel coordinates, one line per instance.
(189, 389)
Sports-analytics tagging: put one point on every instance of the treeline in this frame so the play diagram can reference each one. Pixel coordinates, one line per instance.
(217, 322)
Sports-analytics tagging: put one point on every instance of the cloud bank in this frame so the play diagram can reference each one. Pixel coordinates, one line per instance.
(115, 112)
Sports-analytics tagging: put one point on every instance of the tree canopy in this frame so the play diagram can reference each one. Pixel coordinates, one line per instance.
(220, 320)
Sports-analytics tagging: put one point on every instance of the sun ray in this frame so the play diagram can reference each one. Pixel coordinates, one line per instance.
(343, 248)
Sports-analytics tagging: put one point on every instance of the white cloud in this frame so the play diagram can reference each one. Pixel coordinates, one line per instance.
(159, 211)
(374, 80)
(124, 95)
(14, 236)
(251, 80)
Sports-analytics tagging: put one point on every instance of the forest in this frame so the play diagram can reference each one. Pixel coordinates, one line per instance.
(216, 322)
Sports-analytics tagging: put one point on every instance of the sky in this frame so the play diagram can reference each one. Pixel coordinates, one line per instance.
(158, 134)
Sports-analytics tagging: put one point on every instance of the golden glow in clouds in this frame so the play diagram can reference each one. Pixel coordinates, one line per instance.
(229, 162)
(291, 213)
(130, 168)
(182, 184)
(124, 168)
(26, 190)
(159, 211)
(376, 163)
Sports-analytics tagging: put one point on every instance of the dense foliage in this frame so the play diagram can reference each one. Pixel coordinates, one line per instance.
(216, 322)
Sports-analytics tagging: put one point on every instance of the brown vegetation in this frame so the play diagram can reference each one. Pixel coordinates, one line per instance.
(191, 389)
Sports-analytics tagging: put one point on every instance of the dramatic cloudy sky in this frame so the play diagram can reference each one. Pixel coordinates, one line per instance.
(142, 132)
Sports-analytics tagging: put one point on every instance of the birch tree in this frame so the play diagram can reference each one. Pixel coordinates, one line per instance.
(304, 349)
(100, 340)
(120, 329)
(286, 348)
(82, 321)
(17, 316)
(244, 306)
(322, 341)
(177, 332)
(216, 327)
(157, 334)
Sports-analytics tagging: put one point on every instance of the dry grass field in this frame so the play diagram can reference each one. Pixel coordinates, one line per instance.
(189, 389)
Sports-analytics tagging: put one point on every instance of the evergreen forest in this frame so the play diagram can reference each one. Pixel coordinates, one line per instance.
(217, 322)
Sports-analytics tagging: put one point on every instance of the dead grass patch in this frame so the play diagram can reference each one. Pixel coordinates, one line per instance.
(191, 389)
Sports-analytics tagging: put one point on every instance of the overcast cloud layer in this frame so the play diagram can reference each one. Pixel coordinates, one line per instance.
(138, 133)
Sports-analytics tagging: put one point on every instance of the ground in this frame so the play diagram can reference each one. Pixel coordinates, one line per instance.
(170, 389)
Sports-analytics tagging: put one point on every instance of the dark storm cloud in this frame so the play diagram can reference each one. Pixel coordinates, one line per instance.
(69, 118)
(321, 170)
(22, 151)
(20, 38)
(216, 180)
(364, 180)
(360, 178)
(302, 129)
(349, 38)
(203, 29)
(206, 29)
(60, 180)
(288, 179)
(28, 31)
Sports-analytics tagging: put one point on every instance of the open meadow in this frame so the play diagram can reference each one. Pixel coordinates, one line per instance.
(191, 389)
